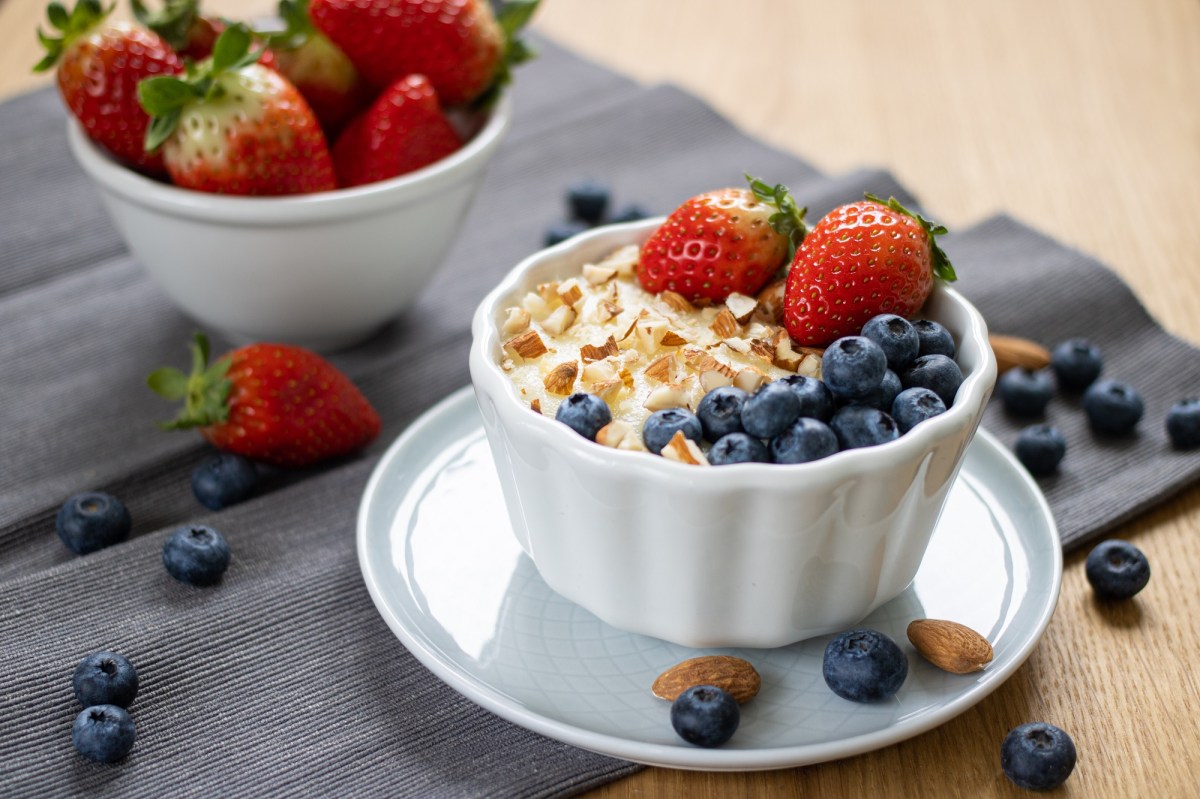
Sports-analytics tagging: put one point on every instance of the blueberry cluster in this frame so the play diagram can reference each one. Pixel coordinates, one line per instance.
(105, 683)
(587, 206)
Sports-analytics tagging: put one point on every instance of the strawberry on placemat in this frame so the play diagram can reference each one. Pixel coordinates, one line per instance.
(862, 259)
(99, 66)
(274, 403)
(235, 127)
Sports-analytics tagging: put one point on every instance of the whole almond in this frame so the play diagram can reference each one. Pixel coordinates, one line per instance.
(1012, 351)
(731, 674)
(949, 645)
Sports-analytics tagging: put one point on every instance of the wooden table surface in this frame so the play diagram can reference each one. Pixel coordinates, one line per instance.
(1081, 117)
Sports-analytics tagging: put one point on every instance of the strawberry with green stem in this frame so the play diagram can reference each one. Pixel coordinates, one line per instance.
(233, 126)
(180, 23)
(274, 403)
(99, 65)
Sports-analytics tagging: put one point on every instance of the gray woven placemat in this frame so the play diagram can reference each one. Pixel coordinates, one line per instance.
(284, 680)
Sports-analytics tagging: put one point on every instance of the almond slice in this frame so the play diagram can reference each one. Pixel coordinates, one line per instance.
(682, 449)
(741, 307)
(607, 309)
(737, 344)
(559, 321)
(672, 339)
(605, 389)
(515, 320)
(1012, 352)
(590, 352)
(662, 369)
(731, 674)
(702, 362)
(561, 378)
(598, 275)
(668, 396)
(763, 350)
(749, 379)
(725, 324)
(949, 645)
(528, 345)
(713, 379)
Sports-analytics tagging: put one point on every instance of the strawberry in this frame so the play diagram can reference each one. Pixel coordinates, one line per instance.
(861, 260)
(181, 24)
(721, 242)
(274, 403)
(403, 130)
(460, 45)
(99, 67)
(315, 66)
(235, 127)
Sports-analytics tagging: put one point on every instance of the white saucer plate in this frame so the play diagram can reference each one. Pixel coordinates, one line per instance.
(441, 563)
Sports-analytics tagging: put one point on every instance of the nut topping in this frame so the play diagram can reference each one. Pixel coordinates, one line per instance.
(675, 301)
(598, 275)
(741, 307)
(528, 345)
(557, 322)
(682, 449)
(590, 352)
(515, 320)
(561, 378)
(725, 324)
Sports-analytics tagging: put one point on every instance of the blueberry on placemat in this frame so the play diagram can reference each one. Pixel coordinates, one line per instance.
(1025, 393)
(1112, 406)
(224, 479)
(864, 666)
(1077, 362)
(588, 200)
(738, 448)
(1040, 448)
(91, 521)
(1183, 423)
(914, 405)
(853, 366)
(770, 410)
(631, 213)
(563, 230)
(938, 373)
(933, 338)
(896, 336)
(1037, 756)
(104, 733)
(662, 425)
(705, 715)
(806, 440)
(720, 411)
(584, 413)
(859, 426)
(1117, 569)
(105, 678)
(816, 400)
(196, 555)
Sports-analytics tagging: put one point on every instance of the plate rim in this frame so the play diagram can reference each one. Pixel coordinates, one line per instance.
(672, 756)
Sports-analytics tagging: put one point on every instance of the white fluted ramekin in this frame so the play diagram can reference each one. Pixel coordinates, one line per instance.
(757, 555)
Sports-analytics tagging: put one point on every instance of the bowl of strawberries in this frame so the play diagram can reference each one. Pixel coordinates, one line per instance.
(298, 181)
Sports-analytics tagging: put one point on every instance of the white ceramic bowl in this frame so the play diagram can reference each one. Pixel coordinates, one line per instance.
(320, 270)
(757, 555)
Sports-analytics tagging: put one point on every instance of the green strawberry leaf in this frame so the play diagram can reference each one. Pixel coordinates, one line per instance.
(81, 19)
(172, 22)
(205, 391)
(942, 268)
(231, 47)
(163, 93)
(58, 16)
(514, 15)
(297, 30)
(788, 219)
(160, 129)
(168, 383)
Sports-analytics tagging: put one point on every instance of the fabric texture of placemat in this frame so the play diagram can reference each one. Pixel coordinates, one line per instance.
(284, 680)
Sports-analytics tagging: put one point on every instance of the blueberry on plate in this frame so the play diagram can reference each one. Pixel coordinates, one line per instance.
(1117, 569)
(853, 366)
(738, 448)
(1077, 363)
(933, 338)
(859, 426)
(896, 336)
(1183, 423)
(105, 678)
(104, 733)
(660, 427)
(1037, 756)
(914, 405)
(630, 213)
(562, 230)
(1112, 406)
(883, 395)
(705, 715)
(91, 521)
(770, 410)
(816, 400)
(864, 666)
(196, 555)
(584, 413)
(1025, 393)
(224, 479)
(1040, 448)
(588, 200)
(938, 373)
(806, 440)
(720, 411)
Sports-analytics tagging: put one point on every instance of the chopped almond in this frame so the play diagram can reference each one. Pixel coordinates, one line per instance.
(623, 260)
(672, 339)
(597, 371)
(560, 320)
(725, 324)
(607, 309)
(749, 379)
(675, 301)
(528, 345)
(662, 369)
(737, 344)
(590, 352)
(668, 396)
(515, 320)
(535, 405)
(741, 307)
(570, 293)
(714, 379)
(598, 275)
(561, 378)
(762, 349)
(682, 449)
(770, 301)
(620, 435)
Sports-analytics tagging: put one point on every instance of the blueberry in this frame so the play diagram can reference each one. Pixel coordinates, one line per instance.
(91, 521)
(196, 555)
(914, 405)
(770, 410)
(816, 400)
(738, 448)
(631, 213)
(860, 426)
(806, 440)
(1037, 756)
(1040, 448)
(864, 666)
(883, 395)
(1077, 362)
(1117, 569)
(660, 427)
(224, 479)
(1183, 423)
(705, 715)
(588, 200)
(853, 366)
(720, 411)
(1025, 393)
(104, 733)
(1112, 406)
(933, 338)
(105, 678)
(896, 336)
(563, 230)
(584, 413)
(938, 373)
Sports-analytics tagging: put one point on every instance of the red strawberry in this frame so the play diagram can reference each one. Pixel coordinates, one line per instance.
(402, 131)
(236, 127)
(270, 402)
(99, 66)
(724, 241)
(861, 260)
(463, 48)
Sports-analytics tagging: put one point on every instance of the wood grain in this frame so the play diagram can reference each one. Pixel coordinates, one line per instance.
(1079, 117)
